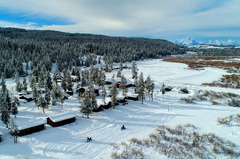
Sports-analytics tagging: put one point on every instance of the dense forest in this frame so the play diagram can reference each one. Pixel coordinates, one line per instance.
(38, 48)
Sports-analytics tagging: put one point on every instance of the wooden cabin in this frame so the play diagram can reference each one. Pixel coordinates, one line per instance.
(29, 127)
(69, 92)
(28, 99)
(61, 119)
(81, 90)
(132, 96)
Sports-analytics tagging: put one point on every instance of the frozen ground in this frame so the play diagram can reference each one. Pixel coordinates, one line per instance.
(69, 141)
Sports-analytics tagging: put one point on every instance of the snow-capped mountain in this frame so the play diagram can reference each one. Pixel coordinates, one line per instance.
(191, 42)
(187, 42)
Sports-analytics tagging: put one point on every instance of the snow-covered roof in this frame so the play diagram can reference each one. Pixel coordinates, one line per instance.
(100, 102)
(134, 95)
(28, 123)
(1, 134)
(118, 80)
(62, 116)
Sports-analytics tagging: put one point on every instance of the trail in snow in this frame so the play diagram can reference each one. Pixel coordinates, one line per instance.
(69, 141)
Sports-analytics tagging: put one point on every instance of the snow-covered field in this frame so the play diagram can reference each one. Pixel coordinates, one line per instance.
(69, 141)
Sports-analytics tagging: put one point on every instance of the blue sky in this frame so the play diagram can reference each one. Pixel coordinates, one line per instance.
(165, 19)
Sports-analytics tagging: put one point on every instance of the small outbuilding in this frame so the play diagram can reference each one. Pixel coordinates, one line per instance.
(61, 119)
(81, 90)
(132, 96)
(184, 91)
(29, 127)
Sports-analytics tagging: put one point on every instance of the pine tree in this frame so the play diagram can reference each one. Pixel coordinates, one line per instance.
(123, 85)
(32, 81)
(121, 66)
(14, 103)
(149, 85)
(140, 87)
(25, 84)
(35, 94)
(47, 96)
(42, 103)
(152, 89)
(64, 84)
(119, 74)
(113, 92)
(86, 105)
(48, 81)
(54, 99)
(3, 84)
(18, 84)
(69, 81)
(104, 95)
(134, 70)
(13, 128)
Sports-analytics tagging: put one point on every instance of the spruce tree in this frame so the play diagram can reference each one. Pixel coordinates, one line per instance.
(113, 92)
(140, 87)
(25, 84)
(123, 85)
(104, 95)
(42, 103)
(121, 66)
(86, 105)
(134, 70)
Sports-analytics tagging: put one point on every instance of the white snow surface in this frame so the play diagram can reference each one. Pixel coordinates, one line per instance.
(69, 141)
(62, 116)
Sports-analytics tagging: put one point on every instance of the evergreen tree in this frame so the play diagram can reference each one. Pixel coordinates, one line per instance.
(121, 66)
(123, 85)
(152, 89)
(14, 104)
(104, 95)
(54, 99)
(86, 105)
(64, 84)
(119, 74)
(134, 70)
(47, 96)
(113, 92)
(32, 81)
(48, 81)
(18, 84)
(149, 85)
(35, 94)
(13, 128)
(3, 84)
(141, 87)
(69, 81)
(42, 103)
(25, 84)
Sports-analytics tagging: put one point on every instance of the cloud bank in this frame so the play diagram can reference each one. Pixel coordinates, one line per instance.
(150, 18)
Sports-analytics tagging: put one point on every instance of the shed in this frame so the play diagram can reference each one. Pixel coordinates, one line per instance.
(61, 119)
(30, 126)
(27, 98)
(132, 96)
(81, 90)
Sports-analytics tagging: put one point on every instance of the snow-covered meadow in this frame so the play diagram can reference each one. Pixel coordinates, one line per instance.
(140, 120)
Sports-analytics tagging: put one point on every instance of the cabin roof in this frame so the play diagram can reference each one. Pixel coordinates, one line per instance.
(118, 80)
(133, 95)
(28, 123)
(1, 134)
(62, 116)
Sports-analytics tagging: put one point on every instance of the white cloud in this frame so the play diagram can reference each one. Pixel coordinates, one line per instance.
(134, 17)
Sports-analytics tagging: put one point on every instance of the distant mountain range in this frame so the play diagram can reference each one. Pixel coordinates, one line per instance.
(191, 42)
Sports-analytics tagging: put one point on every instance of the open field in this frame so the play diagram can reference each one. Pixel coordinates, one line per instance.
(140, 120)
